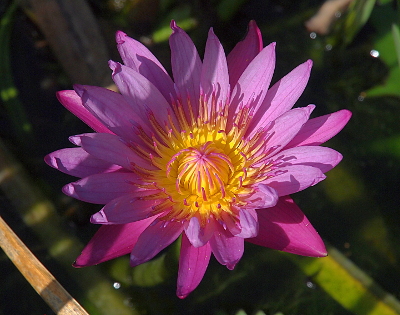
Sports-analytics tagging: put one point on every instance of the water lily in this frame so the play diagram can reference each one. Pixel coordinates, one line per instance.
(211, 155)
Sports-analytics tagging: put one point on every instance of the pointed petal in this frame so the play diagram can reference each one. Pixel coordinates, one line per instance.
(126, 208)
(244, 52)
(320, 157)
(136, 56)
(197, 235)
(77, 162)
(281, 96)
(291, 179)
(110, 148)
(214, 75)
(144, 98)
(111, 241)
(253, 84)
(284, 227)
(227, 249)
(73, 103)
(319, 130)
(193, 262)
(186, 68)
(154, 239)
(102, 188)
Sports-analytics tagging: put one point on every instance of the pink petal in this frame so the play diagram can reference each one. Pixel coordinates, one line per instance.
(144, 98)
(197, 235)
(186, 68)
(154, 239)
(284, 227)
(281, 96)
(136, 56)
(290, 179)
(249, 223)
(227, 249)
(111, 241)
(318, 130)
(320, 157)
(111, 109)
(102, 188)
(77, 162)
(253, 84)
(110, 148)
(243, 53)
(73, 103)
(214, 75)
(193, 262)
(126, 208)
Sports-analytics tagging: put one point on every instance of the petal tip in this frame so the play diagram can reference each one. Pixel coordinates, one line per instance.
(120, 37)
(98, 218)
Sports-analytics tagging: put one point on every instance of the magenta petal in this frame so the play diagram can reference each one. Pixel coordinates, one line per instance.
(110, 148)
(73, 103)
(154, 239)
(227, 249)
(136, 56)
(126, 208)
(186, 68)
(281, 96)
(77, 162)
(193, 262)
(111, 241)
(291, 179)
(102, 188)
(243, 53)
(318, 130)
(214, 75)
(285, 227)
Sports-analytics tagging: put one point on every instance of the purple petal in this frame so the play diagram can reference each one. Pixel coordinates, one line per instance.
(193, 262)
(243, 53)
(320, 157)
(73, 103)
(186, 68)
(111, 241)
(319, 130)
(284, 227)
(102, 188)
(197, 235)
(214, 75)
(282, 96)
(227, 249)
(126, 208)
(248, 222)
(154, 239)
(253, 84)
(77, 162)
(290, 179)
(110, 148)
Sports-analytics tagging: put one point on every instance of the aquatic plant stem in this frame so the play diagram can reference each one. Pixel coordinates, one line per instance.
(51, 291)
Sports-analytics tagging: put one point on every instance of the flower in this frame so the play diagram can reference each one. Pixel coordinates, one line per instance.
(211, 156)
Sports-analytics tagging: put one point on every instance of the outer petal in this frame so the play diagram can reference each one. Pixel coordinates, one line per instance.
(281, 96)
(125, 209)
(186, 68)
(320, 157)
(102, 188)
(284, 227)
(73, 103)
(110, 148)
(320, 129)
(227, 249)
(145, 99)
(193, 262)
(154, 239)
(243, 53)
(253, 84)
(214, 75)
(136, 56)
(290, 179)
(111, 241)
(77, 162)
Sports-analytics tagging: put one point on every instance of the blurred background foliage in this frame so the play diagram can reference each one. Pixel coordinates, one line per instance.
(355, 46)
